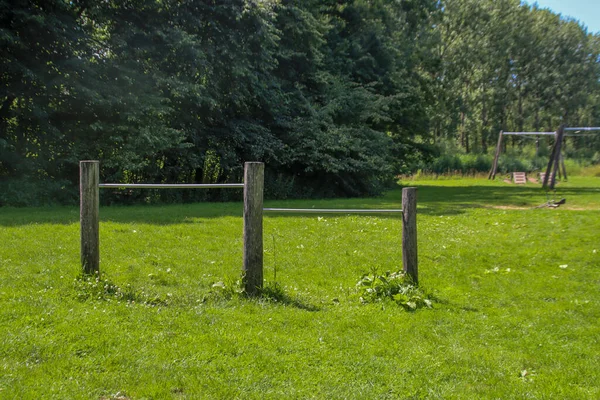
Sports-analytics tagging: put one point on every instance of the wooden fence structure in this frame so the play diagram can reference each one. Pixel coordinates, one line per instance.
(253, 220)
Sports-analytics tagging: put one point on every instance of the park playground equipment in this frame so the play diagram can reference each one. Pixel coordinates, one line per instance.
(555, 163)
(253, 185)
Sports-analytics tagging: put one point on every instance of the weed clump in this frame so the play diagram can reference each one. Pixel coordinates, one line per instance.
(393, 286)
(229, 289)
(226, 290)
(95, 287)
(270, 293)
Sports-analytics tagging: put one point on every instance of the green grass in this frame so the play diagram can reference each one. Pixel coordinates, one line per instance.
(517, 315)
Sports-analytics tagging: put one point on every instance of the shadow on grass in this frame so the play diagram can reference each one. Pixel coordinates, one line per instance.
(275, 294)
(432, 200)
(166, 214)
(101, 288)
(454, 200)
(271, 293)
(446, 200)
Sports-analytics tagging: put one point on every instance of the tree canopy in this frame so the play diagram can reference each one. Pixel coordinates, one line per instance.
(335, 96)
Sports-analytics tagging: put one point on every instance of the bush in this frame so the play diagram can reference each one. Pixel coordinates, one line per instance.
(476, 163)
(507, 164)
(462, 164)
(26, 192)
(446, 163)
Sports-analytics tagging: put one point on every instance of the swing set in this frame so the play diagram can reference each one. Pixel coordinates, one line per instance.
(556, 163)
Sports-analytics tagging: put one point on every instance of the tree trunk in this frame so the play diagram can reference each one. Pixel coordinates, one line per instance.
(520, 108)
(462, 129)
(484, 123)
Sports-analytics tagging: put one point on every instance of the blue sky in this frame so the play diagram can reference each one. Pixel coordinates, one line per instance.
(586, 11)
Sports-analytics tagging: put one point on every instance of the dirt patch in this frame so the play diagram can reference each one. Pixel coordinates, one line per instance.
(570, 208)
(508, 207)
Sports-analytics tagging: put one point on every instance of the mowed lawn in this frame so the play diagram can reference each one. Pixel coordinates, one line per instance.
(517, 316)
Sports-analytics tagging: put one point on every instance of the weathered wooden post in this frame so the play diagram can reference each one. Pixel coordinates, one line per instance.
(254, 174)
(553, 163)
(89, 177)
(549, 167)
(492, 174)
(559, 140)
(409, 233)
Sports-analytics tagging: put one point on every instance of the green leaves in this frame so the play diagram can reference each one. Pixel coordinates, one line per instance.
(507, 66)
(334, 96)
(394, 286)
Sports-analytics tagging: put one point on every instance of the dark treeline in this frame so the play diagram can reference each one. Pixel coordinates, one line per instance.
(336, 96)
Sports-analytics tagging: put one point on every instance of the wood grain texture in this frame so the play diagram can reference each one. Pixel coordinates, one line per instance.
(492, 174)
(89, 176)
(253, 227)
(557, 156)
(409, 233)
(547, 174)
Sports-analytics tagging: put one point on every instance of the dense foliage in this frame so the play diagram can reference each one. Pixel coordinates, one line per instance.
(335, 96)
(506, 66)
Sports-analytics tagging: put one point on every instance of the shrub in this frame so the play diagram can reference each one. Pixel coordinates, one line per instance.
(472, 163)
(27, 192)
(446, 163)
(508, 163)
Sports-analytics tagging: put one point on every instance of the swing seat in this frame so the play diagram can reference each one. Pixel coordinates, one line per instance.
(519, 177)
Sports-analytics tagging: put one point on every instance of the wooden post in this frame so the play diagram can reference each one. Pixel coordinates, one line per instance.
(557, 155)
(549, 167)
(492, 174)
(559, 163)
(409, 233)
(89, 177)
(253, 227)
(550, 163)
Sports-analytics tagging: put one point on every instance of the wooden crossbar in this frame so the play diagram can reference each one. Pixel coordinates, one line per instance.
(528, 133)
(171, 185)
(586, 128)
(253, 252)
(332, 210)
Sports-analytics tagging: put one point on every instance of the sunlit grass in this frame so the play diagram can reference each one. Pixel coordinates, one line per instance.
(517, 315)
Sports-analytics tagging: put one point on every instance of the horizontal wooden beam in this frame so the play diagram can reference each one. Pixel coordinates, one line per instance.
(171, 186)
(330, 211)
(587, 128)
(529, 133)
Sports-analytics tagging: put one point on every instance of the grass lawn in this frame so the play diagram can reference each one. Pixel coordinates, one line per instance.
(517, 318)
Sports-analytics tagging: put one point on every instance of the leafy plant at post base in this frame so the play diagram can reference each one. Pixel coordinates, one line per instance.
(270, 293)
(395, 286)
(95, 287)
(228, 289)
